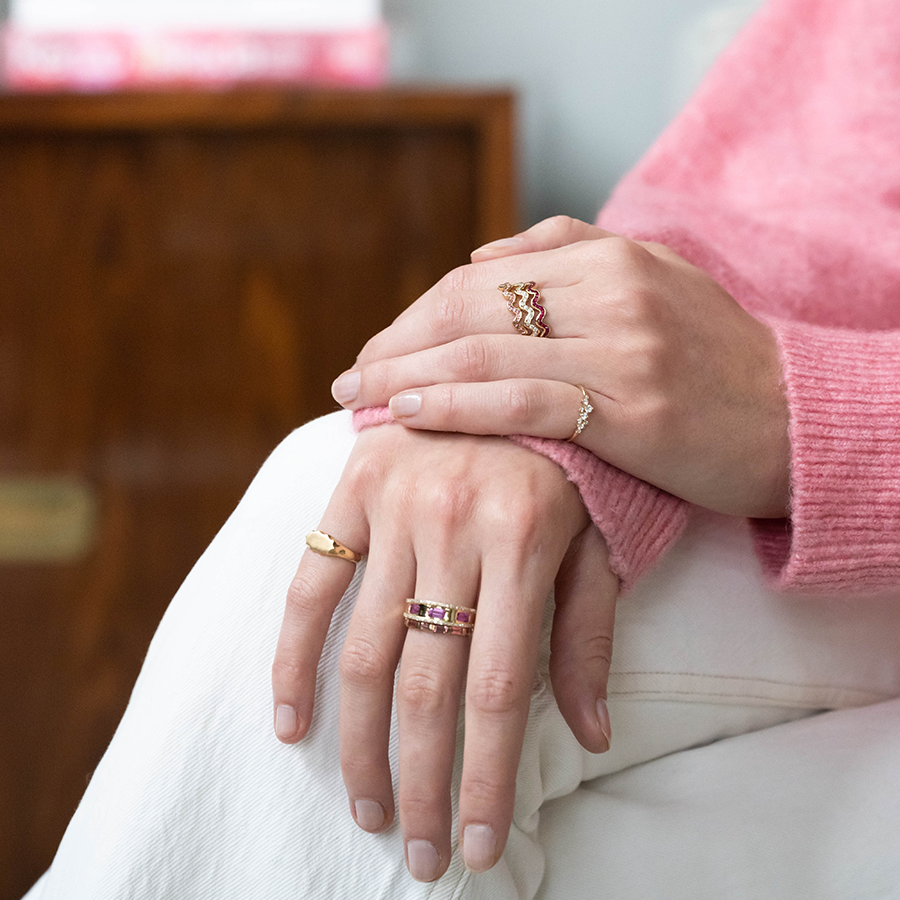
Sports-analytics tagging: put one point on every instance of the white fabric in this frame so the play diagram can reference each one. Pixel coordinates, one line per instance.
(196, 799)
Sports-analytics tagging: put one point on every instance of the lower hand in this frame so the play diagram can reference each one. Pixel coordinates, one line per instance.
(686, 385)
(468, 521)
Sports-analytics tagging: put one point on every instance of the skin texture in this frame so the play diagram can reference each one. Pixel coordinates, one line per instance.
(471, 521)
(686, 385)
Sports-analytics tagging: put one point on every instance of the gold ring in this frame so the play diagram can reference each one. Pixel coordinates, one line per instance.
(326, 545)
(441, 618)
(523, 300)
(583, 412)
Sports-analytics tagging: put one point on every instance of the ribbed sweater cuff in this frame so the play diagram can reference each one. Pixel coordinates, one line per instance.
(843, 390)
(638, 521)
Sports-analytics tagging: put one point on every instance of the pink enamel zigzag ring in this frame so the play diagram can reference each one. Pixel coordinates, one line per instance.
(523, 300)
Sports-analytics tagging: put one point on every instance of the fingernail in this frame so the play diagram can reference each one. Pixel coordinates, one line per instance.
(502, 244)
(603, 716)
(369, 814)
(479, 847)
(346, 387)
(405, 405)
(423, 860)
(285, 722)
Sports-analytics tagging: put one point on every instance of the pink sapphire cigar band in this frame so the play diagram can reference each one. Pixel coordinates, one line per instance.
(441, 618)
(523, 300)
(326, 545)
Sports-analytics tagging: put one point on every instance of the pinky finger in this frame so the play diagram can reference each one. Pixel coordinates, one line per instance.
(540, 408)
(581, 640)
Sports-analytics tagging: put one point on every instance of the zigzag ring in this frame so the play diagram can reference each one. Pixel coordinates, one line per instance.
(524, 301)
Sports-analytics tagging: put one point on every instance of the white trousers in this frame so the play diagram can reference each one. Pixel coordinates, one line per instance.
(756, 750)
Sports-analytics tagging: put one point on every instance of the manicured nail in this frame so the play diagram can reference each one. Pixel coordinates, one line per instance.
(479, 847)
(502, 244)
(423, 860)
(405, 405)
(346, 387)
(285, 722)
(603, 716)
(369, 814)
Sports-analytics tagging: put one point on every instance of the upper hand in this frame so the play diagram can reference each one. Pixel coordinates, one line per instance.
(470, 522)
(686, 385)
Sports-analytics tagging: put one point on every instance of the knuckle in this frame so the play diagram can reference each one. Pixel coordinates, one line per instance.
(451, 503)
(420, 693)
(484, 793)
(625, 253)
(562, 226)
(518, 518)
(519, 403)
(417, 805)
(494, 691)
(362, 471)
(597, 651)
(471, 359)
(287, 673)
(450, 313)
(303, 602)
(362, 663)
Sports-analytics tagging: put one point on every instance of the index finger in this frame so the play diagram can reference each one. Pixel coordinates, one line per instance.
(313, 595)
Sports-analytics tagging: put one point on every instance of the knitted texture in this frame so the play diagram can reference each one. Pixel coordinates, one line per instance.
(781, 178)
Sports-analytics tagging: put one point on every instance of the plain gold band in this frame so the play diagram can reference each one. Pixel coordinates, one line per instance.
(326, 545)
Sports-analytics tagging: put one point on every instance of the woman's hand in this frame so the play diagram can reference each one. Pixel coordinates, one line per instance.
(686, 385)
(466, 521)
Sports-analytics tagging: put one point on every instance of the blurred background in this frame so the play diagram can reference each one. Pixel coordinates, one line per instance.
(202, 218)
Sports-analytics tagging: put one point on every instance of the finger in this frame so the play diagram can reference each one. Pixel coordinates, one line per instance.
(557, 231)
(429, 691)
(369, 659)
(466, 301)
(537, 407)
(313, 595)
(581, 640)
(482, 357)
(498, 693)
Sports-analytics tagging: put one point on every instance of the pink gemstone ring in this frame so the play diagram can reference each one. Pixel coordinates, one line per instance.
(523, 300)
(440, 618)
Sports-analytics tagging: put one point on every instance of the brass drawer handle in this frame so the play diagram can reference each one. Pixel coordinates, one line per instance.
(46, 519)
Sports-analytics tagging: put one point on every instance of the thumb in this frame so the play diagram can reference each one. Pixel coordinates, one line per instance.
(548, 234)
(581, 640)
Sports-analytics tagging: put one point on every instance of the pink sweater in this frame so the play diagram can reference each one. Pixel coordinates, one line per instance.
(781, 178)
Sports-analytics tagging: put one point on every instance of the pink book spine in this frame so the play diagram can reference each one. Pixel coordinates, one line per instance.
(44, 60)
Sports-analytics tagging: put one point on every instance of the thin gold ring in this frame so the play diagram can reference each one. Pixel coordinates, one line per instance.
(583, 412)
(326, 545)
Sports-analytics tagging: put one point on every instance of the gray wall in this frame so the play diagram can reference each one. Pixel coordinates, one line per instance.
(598, 79)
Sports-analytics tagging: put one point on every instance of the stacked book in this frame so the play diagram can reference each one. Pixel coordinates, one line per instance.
(96, 45)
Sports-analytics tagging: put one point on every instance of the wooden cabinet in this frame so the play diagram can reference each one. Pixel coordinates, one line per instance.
(181, 277)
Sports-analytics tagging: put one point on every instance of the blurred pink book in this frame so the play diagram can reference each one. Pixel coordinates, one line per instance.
(82, 60)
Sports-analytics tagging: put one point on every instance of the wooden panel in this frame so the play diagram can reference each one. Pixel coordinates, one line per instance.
(181, 277)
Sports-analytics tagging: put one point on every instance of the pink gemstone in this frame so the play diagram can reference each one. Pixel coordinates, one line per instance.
(436, 613)
(462, 617)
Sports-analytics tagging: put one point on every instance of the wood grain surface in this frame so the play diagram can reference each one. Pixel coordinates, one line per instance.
(182, 275)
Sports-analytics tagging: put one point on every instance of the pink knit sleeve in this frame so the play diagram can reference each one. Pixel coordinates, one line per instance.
(843, 390)
(638, 521)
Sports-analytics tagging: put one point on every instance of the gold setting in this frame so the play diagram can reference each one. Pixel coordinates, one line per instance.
(326, 545)
(440, 618)
(583, 412)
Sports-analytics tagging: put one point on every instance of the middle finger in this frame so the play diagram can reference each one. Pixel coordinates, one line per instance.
(429, 689)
